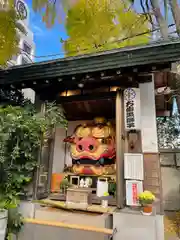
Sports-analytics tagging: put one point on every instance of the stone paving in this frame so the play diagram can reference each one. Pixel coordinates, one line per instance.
(172, 225)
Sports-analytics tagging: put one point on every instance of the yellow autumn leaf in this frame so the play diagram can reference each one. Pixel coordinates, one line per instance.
(101, 25)
(9, 40)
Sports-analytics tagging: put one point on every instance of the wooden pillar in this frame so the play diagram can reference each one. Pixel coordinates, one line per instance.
(152, 170)
(36, 174)
(51, 158)
(119, 149)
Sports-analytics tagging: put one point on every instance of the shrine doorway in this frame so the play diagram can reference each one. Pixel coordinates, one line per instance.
(80, 110)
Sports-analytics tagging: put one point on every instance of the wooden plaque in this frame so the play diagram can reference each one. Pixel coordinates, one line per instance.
(79, 196)
(133, 166)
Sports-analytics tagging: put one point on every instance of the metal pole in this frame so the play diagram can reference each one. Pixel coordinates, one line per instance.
(119, 149)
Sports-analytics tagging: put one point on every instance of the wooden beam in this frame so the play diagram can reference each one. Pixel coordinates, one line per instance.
(163, 113)
(119, 149)
(92, 96)
(67, 225)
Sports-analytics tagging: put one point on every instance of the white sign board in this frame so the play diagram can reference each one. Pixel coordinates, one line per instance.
(133, 189)
(133, 166)
(132, 117)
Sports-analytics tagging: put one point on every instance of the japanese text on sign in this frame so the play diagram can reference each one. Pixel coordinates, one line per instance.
(132, 108)
(133, 188)
(130, 119)
(134, 193)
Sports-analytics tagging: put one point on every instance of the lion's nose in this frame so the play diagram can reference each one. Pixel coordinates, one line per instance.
(86, 144)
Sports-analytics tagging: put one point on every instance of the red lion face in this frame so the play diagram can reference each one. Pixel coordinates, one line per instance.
(93, 145)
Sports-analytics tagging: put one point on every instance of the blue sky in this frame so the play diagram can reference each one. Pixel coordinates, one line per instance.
(47, 40)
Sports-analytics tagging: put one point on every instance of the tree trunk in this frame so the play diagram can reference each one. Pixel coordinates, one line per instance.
(160, 19)
(176, 14)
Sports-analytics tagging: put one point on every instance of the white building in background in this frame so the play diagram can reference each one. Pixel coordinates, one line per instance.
(26, 44)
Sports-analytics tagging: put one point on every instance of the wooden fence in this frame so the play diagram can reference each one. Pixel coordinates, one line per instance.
(170, 173)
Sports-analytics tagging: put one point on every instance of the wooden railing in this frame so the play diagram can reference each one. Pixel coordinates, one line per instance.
(170, 157)
(71, 226)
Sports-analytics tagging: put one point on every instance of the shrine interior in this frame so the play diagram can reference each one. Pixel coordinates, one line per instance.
(79, 110)
(83, 102)
(82, 105)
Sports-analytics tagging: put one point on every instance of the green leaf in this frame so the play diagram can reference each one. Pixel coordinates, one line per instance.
(20, 138)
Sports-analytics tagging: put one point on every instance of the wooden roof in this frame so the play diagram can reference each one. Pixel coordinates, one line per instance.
(89, 109)
(103, 103)
(146, 58)
(120, 67)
